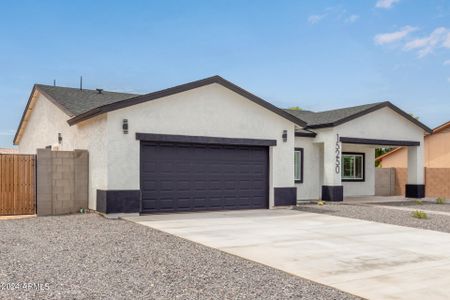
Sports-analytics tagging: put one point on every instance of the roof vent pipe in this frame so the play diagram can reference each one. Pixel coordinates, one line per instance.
(99, 91)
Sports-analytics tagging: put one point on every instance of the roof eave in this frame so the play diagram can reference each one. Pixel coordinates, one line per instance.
(441, 127)
(306, 134)
(27, 107)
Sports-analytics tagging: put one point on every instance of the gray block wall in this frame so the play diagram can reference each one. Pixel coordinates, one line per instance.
(385, 181)
(62, 181)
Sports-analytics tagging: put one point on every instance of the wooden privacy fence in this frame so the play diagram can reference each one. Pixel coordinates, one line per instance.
(17, 184)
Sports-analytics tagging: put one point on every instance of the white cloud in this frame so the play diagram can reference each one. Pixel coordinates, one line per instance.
(447, 62)
(386, 38)
(386, 4)
(352, 19)
(440, 37)
(315, 18)
(336, 13)
(446, 42)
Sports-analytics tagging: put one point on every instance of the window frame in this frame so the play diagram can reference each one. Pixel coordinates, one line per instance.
(363, 166)
(300, 150)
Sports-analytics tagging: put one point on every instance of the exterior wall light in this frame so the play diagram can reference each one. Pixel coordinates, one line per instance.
(125, 126)
(59, 138)
(284, 136)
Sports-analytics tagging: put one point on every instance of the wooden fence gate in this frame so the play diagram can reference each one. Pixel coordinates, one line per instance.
(17, 184)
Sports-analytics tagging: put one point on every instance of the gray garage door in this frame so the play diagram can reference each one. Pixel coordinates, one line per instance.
(190, 177)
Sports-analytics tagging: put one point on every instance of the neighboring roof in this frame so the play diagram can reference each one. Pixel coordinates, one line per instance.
(441, 127)
(182, 88)
(336, 117)
(388, 153)
(435, 130)
(8, 151)
(74, 101)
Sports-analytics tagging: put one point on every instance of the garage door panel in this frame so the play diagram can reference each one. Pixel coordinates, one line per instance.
(179, 177)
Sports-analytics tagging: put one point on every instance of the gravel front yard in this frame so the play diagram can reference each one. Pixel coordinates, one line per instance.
(90, 257)
(383, 215)
(426, 205)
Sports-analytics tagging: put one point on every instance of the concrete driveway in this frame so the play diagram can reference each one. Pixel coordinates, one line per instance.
(368, 259)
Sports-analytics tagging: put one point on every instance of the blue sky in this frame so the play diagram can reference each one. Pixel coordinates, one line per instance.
(315, 54)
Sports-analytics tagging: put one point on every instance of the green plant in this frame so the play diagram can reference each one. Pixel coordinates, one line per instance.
(419, 202)
(320, 202)
(419, 214)
(440, 200)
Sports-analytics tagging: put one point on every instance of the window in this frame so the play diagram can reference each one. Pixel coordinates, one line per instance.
(298, 165)
(352, 167)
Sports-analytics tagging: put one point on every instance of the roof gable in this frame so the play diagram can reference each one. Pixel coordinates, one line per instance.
(335, 117)
(182, 88)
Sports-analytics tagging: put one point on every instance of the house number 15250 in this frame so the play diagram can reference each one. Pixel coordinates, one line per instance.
(338, 155)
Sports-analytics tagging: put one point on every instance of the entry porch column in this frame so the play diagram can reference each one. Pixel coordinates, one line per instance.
(332, 189)
(415, 186)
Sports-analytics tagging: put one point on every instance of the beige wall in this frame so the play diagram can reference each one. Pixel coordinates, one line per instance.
(437, 153)
(437, 150)
(398, 159)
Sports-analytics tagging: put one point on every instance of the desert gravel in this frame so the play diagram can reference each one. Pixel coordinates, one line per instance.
(90, 257)
(426, 205)
(370, 212)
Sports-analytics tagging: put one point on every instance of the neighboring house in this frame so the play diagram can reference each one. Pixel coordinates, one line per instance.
(209, 145)
(8, 151)
(437, 151)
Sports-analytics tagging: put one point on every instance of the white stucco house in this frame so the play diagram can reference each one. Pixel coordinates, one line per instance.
(209, 145)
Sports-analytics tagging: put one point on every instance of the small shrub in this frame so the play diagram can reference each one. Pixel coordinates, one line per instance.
(419, 202)
(440, 200)
(321, 203)
(419, 214)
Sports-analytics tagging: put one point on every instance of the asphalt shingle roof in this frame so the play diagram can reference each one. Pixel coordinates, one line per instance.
(330, 117)
(75, 101)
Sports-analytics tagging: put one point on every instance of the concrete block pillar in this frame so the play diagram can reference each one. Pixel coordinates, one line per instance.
(332, 189)
(415, 186)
